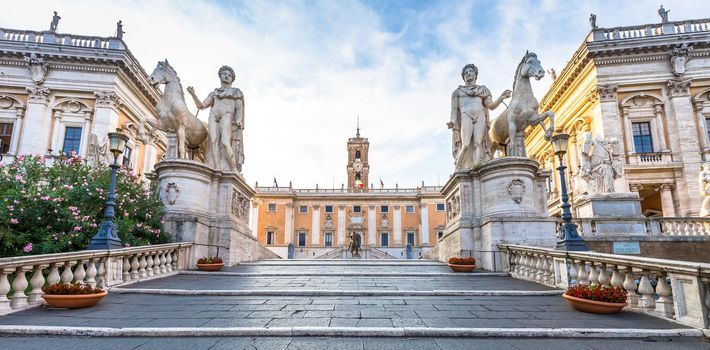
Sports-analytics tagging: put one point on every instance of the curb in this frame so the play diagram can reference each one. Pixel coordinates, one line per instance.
(348, 274)
(350, 332)
(342, 263)
(317, 292)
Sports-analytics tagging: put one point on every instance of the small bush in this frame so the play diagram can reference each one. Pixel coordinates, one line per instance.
(462, 261)
(210, 260)
(70, 289)
(607, 294)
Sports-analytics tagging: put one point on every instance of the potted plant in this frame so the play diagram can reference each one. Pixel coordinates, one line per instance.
(210, 263)
(596, 299)
(72, 296)
(459, 264)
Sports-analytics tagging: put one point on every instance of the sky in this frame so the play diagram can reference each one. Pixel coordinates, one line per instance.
(308, 69)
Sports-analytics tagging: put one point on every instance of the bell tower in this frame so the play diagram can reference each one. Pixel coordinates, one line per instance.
(358, 165)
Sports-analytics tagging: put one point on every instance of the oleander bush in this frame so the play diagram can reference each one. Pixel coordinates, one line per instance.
(607, 294)
(53, 206)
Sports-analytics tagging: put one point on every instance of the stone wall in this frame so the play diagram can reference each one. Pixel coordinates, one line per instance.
(685, 251)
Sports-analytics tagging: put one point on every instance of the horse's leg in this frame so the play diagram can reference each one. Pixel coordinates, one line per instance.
(512, 142)
(551, 128)
(181, 141)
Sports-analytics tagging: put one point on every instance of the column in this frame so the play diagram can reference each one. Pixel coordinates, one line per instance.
(573, 154)
(35, 134)
(288, 225)
(341, 225)
(687, 138)
(424, 230)
(661, 129)
(315, 225)
(702, 127)
(57, 133)
(254, 223)
(667, 200)
(628, 134)
(19, 122)
(105, 113)
(372, 225)
(397, 228)
(85, 134)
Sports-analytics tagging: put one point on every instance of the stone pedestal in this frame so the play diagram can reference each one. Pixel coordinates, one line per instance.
(611, 215)
(502, 201)
(209, 208)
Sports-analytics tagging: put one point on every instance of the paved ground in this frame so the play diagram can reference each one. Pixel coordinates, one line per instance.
(338, 267)
(364, 343)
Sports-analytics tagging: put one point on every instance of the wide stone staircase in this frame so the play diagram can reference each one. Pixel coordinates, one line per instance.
(343, 304)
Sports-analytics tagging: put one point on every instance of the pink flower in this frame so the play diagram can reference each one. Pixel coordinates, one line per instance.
(77, 228)
(14, 221)
(27, 248)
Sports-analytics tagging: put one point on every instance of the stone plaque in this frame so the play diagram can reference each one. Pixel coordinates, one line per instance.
(627, 248)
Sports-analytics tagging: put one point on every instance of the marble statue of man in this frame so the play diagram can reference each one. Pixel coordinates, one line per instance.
(704, 183)
(226, 122)
(600, 165)
(469, 120)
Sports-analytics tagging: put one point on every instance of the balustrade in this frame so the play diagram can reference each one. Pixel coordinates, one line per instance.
(650, 30)
(655, 286)
(96, 268)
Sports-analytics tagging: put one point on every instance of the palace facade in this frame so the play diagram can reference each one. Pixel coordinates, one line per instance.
(318, 223)
(63, 93)
(645, 89)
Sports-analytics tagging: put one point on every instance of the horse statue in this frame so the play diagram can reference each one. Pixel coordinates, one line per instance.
(508, 127)
(173, 115)
(354, 246)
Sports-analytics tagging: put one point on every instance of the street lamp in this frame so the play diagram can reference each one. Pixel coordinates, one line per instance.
(569, 239)
(107, 237)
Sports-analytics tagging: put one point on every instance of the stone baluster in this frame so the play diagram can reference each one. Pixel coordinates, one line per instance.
(540, 269)
(67, 275)
(101, 273)
(664, 304)
(545, 272)
(169, 261)
(593, 274)
(135, 265)
(604, 279)
(531, 267)
(156, 263)
(36, 282)
(141, 272)
(19, 298)
(91, 272)
(646, 290)
(582, 275)
(53, 277)
(551, 272)
(515, 264)
(617, 279)
(126, 273)
(572, 271)
(706, 299)
(163, 262)
(630, 286)
(149, 265)
(79, 272)
(4, 289)
(175, 261)
(523, 267)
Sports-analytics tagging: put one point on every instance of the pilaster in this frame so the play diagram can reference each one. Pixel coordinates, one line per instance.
(371, 225)
(397, 229)
(341, 225)
(687, 136)
(288, 224)
(35, 135)
(106, 113)
(315, 225)
(424, 230)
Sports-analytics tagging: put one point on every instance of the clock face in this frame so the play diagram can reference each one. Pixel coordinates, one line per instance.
(357, 165)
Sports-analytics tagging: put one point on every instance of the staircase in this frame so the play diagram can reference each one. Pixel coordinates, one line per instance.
(363, 304)
(367, 252)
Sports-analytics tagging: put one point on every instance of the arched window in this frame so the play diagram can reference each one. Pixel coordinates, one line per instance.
(357, 154)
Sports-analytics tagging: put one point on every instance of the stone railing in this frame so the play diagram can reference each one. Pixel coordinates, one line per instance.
(651, 30)
(98, 268)
(678, 228)
(426, 189)
(28, 36)
(653, 158)
(669, 289)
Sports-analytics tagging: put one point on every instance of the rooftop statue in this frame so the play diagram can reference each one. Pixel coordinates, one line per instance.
(507, 128)
(663, 13)
(55, 22)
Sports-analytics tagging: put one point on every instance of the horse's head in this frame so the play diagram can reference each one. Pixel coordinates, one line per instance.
(161, 74)
(531, 67)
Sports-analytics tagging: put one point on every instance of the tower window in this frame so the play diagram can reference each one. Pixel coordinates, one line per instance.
(357, 154)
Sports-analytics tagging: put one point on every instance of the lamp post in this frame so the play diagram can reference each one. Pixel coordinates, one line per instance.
(107, 237)
(569, 239)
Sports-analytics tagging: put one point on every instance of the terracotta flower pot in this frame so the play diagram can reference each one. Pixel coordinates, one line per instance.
(593, 306)
(462, 268)
(210, 267)
(73, 301)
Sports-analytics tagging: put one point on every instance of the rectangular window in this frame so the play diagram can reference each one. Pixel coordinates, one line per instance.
(409, 209)
(707, 127)
(272, 206)
(303, 209)
(643, 141)
(270, 237)
(410, 238)
(385, 239)
(439, 234)
(72, 140)
(328, 208)
(5, 137)
(384, 209)
(357, 209)
(328, 239)
(127, 151)
(440, 207)
(301, 239)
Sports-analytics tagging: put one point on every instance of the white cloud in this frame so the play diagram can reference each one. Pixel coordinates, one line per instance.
(308, 68)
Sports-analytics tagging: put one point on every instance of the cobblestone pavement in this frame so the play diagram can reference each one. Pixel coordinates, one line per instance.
(364, 343)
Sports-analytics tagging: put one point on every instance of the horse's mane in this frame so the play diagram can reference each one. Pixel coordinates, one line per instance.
(170, 68)
(520, 65)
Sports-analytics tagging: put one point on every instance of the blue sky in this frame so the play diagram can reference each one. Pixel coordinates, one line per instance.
(308, 68)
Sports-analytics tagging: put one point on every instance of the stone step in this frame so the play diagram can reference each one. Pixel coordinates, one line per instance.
(348, 262)
(347, 274)
(335, 292)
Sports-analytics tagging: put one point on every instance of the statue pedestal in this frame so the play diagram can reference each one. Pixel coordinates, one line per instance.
(610, 215)
(209, 208)
(502, 201)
